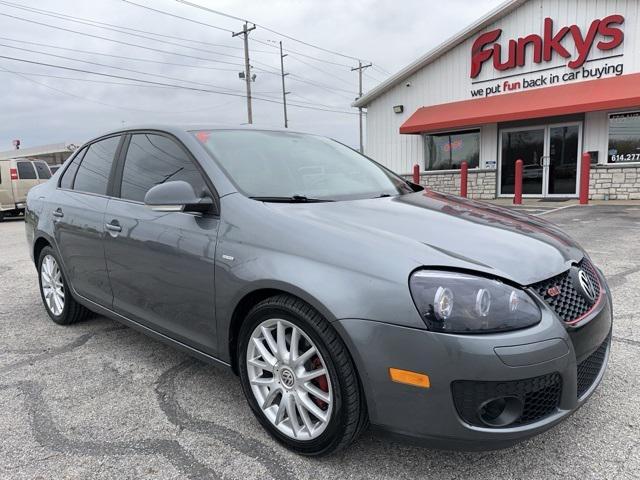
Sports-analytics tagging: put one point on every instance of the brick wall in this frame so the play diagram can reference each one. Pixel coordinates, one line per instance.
(481, 183)
(616, 182)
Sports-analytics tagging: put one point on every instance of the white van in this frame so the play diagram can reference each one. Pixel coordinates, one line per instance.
(17, 176)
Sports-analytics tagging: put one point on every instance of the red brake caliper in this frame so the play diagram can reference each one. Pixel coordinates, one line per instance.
(320, 382)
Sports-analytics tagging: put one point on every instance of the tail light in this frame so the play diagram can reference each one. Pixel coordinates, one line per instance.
(14, 173)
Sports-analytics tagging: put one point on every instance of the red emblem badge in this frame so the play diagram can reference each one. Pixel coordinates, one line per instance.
(554, 291)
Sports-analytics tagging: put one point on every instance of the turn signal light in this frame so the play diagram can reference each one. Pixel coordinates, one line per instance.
(14, 173)
(409, 378)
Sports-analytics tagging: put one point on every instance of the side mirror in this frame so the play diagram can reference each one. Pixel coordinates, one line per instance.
(176, 196)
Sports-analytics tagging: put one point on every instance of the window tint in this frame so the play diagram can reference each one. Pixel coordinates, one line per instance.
(154, 159)
(26, 171)
(93, 173)
(43, 170)
(69, 174)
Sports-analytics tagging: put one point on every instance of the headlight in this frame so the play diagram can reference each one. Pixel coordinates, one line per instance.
(462, 303)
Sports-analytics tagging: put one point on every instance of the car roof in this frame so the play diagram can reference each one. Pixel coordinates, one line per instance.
(187, 127)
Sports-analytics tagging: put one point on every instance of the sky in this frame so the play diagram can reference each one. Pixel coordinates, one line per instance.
(43, 104)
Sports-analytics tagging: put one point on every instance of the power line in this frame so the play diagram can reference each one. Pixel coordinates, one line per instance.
(64, 92)
(131, 34)
(311, 101)
(112, 66)
(217, 12)
(178, 16)
(65, 16)
(380, 69)
(122, 84)
(120, 28)
(117, 41)
(299, 78)
(184, 87)
(263, 42)
(136, 59)
(323, 86)
(320, 70)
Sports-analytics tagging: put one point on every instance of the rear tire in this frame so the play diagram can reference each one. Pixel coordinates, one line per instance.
(56, 295)
(322, 427)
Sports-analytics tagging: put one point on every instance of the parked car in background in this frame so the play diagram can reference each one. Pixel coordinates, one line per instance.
(340, 293)
(17, 177)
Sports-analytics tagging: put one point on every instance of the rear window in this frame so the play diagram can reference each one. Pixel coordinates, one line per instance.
(43, 170)
(93, 173)
(26, 171)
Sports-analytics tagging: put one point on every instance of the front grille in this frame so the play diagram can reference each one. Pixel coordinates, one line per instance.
(590, 367)
(539, 395)
(569, 304)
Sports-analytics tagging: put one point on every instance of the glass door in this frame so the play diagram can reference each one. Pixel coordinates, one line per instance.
(561, 163)
(527, 145)
(550, 154)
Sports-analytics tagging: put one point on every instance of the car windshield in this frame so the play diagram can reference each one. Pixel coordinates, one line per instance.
(282, 166)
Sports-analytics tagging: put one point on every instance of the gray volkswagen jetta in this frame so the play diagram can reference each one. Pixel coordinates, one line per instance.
(340, 293)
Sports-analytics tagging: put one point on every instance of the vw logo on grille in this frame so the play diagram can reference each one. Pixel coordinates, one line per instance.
(587, 286)
(287, 378)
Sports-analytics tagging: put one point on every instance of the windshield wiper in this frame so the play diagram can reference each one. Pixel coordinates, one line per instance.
(291, 199)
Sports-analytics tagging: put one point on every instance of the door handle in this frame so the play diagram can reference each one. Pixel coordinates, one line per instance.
(58, 213)
(113, 227)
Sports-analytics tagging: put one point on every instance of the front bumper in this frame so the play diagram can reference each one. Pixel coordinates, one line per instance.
(430, 416)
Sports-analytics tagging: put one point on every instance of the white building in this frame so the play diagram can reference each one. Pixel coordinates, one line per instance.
(537, 80)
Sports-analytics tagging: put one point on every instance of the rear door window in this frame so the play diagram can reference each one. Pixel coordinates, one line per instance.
(94, 171)
(70, 173)
(26, 171)
(43, 170)
(154, 159)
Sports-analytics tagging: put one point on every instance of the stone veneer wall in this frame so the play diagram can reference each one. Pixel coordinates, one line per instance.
(615, 182)
(481, 183)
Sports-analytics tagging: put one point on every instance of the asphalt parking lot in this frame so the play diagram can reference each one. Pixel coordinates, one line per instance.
(98, 400)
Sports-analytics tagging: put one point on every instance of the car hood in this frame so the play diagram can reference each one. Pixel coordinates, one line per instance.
(435, 229)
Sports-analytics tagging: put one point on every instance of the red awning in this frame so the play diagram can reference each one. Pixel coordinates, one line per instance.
(604, 94)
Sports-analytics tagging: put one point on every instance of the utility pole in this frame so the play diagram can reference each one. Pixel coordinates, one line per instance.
(284, 91)
(247, 67)
(360, 68)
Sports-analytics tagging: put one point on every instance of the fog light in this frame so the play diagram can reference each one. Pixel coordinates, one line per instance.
(501, 411)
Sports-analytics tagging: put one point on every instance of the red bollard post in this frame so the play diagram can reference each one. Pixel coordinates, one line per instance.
(416, 174)
(464, 175)
(585, 168)
(517, 188)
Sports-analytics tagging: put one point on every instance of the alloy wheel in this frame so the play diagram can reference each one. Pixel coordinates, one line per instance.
(52, 285)
(289, 379)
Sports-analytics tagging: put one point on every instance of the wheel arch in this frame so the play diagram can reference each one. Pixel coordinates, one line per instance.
(256, 295)
(41, 241)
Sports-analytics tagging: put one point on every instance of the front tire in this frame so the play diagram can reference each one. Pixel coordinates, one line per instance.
(56, 296)
(298, 377)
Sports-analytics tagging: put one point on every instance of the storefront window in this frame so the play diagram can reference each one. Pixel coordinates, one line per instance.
(624, 137)
(448, 150)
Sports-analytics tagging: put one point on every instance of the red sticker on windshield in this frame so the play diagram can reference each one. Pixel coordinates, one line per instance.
(203, 136)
